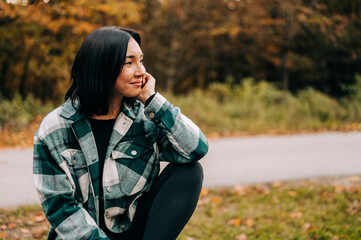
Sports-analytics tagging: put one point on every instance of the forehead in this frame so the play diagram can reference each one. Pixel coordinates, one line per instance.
(133, 48)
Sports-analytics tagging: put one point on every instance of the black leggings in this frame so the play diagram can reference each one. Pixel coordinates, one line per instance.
(165, 209)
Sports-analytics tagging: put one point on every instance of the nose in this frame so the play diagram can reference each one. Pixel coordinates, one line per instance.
(140, 70)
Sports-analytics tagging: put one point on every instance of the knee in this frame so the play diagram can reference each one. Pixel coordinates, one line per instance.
(191, 173)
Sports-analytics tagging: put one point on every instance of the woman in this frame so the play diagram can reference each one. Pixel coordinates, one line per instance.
(96, 157)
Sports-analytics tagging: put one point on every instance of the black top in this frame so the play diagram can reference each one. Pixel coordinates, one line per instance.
(102, 131)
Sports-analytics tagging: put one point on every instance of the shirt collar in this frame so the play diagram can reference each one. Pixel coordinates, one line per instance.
(71, 109)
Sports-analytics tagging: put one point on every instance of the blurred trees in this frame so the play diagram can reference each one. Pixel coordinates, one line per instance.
(38, 41)
(187, 43)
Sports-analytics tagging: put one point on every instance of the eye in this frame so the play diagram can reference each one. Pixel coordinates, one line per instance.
(128, 63)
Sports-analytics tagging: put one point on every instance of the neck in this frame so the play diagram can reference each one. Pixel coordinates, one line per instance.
(114, 109)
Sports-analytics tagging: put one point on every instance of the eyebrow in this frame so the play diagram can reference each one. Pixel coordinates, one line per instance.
(132, 56)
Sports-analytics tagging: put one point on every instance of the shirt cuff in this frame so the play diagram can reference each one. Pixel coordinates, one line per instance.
(157, 107)
(149, 99)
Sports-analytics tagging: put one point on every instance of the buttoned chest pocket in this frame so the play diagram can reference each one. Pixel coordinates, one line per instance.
(78, 168)
(134, 161)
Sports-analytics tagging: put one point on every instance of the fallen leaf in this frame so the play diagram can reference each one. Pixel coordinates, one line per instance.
(24, 230)
(292, 193)
(307, 225)
(352, 190)
(3, 235)
(204, 192)
(38, 218)
(3, 227)
(354, 207)
(241, 190)
(295, 215)
(216, 200)
(19, 221)
(249, 222)
(39, 232)
(339, 189)
(235, 222)
(12, 225)
(242, 237)
(276, 184)
(261, 189)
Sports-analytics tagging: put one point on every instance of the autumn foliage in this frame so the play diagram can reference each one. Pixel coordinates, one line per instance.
(188, 44)
(229, 55)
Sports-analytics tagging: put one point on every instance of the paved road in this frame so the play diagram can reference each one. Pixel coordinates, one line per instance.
(230, 161)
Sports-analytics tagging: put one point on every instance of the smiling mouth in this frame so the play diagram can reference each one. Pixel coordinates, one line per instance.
(138, 83)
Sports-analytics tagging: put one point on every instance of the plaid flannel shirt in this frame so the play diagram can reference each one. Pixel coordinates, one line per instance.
(66, 164)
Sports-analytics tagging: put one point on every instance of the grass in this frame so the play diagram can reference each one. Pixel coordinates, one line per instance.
(295, 210)
(224, 109)
(317, 209)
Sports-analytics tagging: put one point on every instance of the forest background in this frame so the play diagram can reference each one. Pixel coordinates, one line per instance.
(234, 66)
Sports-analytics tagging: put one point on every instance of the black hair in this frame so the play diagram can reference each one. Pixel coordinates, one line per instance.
(96, 67)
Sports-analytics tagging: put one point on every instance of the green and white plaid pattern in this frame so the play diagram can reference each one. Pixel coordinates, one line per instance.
(66, 164)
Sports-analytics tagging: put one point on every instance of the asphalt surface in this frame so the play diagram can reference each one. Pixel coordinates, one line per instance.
(230, 161)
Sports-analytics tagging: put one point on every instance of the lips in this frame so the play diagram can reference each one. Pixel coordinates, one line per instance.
(137, 83)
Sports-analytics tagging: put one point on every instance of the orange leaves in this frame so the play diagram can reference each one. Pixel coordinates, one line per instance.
(276, 184)
(354, 207)
(249, 222)
(295, 215)
(216, 200)
(38, 218)
(204, 192)
(234, 222)
(241, 190)
(12, 225)
(23, 224)
(272, 21)
(292, 193)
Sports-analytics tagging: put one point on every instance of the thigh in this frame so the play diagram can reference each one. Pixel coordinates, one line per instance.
(145, 202)
(136, 230)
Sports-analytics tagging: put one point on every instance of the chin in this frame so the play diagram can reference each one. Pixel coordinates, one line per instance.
(132, 95)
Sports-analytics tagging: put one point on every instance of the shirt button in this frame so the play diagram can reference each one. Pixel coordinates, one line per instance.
(122, 226)
(151, 115)
(74, 162)
(133, 152)
(109, 189)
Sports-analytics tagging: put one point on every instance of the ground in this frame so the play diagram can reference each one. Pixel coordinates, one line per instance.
(325, 208)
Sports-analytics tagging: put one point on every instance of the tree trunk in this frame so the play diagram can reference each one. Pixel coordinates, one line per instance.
(3, 73)
(285, 71)
(287, 49)
(24, 75)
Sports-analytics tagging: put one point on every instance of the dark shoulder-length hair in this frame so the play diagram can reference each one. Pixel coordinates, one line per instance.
(96, 67)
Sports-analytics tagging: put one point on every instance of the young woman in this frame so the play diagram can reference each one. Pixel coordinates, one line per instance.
(96, 157)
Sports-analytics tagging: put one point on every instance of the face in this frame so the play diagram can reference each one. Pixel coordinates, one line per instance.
(129, 81)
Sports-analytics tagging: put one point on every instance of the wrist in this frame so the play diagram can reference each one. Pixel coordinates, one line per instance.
(146, 96)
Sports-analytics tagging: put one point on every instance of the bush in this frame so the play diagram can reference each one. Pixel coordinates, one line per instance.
(260, 107)
(18, 113)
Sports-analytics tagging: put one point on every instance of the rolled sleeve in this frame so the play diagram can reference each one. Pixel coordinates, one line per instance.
(156, 108)
(180, 141)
